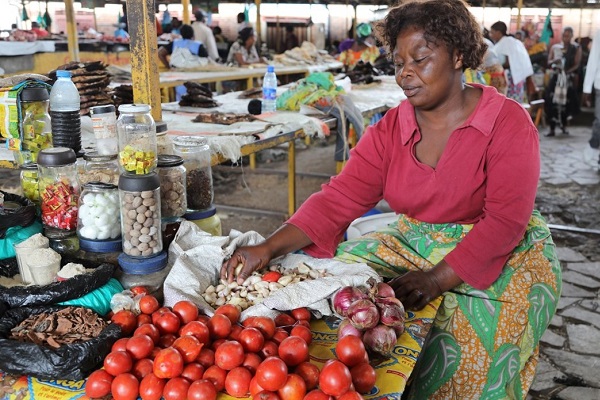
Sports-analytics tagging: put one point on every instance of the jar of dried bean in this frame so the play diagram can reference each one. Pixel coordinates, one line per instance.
(140, 214)
(196, 159)
(137, 139)
(171, 173)
(99, 168)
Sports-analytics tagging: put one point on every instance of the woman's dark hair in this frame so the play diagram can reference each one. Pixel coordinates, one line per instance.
(217, 30)
(186, 31)
(500, 27)
(245, 34)
(443, 22)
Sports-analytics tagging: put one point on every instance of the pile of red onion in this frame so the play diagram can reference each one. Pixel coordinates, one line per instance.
(373, 314)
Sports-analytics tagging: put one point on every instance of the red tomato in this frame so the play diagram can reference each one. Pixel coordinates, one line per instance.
(310, 373)
(120, 345)
(167, 322)
(202, 390)
(139, 290)
(126, 320)
(206, 358)
(301, 314)
(303, 332)
(237, 382)
(98, 384)
(125, 387)
(193, 371)
(148, 304)
(251, 339)
(143, 319)
(215, 345)
(217, 376)
(150, 330)
(269, 349)
(350, 350)
(248, 322)
(251, 362)
(142, 367)
(219, 326)
(189, 347)
(284, 320)
(294, 388)
(176, 389)
(118, 362)
(265, 325)
(272, 374)
(158, 313)
(363, 377)
(279, 335)
(140, 346)
(271, 276)
(303, 322)
(230, 311)
(197, 329)
(317, 395)
(235, 332)
(335, 378)
(186, 311)
(255, 387)
(229, 355)
(168, 363)
(293, 351)
(151, 387)
(203, 318)
(350, 395)
(167, 340)
(266, 395)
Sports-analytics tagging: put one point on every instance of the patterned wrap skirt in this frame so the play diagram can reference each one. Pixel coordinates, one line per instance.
(484, 343)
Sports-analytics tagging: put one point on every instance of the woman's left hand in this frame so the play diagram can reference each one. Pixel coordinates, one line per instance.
(415, 289)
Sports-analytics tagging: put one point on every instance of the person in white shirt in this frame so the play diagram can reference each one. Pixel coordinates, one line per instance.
(204, 34)
(592, 79)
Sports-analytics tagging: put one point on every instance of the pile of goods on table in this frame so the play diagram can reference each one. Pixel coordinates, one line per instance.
(197, 96)
(223, 118)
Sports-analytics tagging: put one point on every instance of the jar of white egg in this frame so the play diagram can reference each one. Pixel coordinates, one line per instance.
(99, 217)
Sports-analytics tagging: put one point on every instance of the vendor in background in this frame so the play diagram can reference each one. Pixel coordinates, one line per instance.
(204, 34)
(242, 51)
(360, 49)
(241, 22)
(460, 165)
(38, 30)
(291, 40)
(494, 72)
(121, 33)
(222, 42)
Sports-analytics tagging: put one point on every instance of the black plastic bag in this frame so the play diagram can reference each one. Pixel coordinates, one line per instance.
(56, 292)
(71, 361)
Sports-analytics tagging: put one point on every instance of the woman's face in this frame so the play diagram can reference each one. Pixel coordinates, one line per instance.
(495, 35)
(567, 36)
(250, 41)
(425, 71)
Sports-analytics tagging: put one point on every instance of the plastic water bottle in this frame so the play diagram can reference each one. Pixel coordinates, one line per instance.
(269, 89)
(64, 112)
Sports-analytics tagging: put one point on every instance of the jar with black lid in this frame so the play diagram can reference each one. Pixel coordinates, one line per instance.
(197, 161)
(171, 173)
(100, 168)
(36, 127)
(140, 214)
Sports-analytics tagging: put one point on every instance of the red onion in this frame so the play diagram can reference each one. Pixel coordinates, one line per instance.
(391, 311)
(363, 314)
(385, 290)
(346, 328)
(346, 296)
(380, 339)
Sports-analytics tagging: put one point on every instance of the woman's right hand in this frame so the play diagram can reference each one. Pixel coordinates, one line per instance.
(251, 258)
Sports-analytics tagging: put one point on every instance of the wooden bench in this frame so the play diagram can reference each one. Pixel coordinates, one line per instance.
(535, 108)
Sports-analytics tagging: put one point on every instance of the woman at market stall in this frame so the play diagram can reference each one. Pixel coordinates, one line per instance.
(243, 52)
(460, 165)
(355, 50)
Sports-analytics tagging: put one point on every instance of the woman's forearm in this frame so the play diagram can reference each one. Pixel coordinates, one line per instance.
(287, 239)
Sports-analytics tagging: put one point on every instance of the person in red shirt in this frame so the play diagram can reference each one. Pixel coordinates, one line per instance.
(39, 31)
(460, 165)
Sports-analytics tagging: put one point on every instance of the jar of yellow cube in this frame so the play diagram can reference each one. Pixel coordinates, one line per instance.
(137, 139)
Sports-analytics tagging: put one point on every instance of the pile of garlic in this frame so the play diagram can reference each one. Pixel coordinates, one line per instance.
(254, 289)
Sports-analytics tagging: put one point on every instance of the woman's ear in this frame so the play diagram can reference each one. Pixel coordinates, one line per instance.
(457, 60)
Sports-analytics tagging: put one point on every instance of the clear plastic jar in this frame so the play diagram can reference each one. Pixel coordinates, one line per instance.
(140, 214)
(98, 217)
(137, 139)
(207, 220)
(163, 141)
(35, 124)
(29, 182)
(148, 272)
(65, 243)
(196, 159)
(59, 188)
(104, 122)
(171, 173)
(99, 168)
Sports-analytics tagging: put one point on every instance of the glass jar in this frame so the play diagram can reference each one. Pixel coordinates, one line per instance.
(35, 124)
(207, 220)
(98, 216)
(59, 188)
(29, 182)
(140, 214)
(163, 141)
(149, 272)
(137, 139)
(171, 173)
(66, 243)
(104, 122)
(196, 159)
(99, 168)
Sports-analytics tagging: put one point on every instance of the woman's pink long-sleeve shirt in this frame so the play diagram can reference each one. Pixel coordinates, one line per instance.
(487, 176)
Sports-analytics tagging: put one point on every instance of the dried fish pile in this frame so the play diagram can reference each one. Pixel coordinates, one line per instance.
(197, 96)
(69, 325)
(222, 118)
(122, 94)
(91, 80)
(255, 289)
(252, 93)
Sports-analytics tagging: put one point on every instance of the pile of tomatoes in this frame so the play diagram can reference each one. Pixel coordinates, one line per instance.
(176, 354)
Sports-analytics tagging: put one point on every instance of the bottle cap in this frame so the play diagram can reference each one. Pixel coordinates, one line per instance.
(134, 108)
(34, 94)
(161, 127)
(102, 109)
(99, 185)
(196, 215)
(168, 160)
(56, 157)
(141, 266)
(63, 74)
(138, 183)
(30, 166)
(190, 141)
(100, 246)
(271, 68)
(95, 157)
